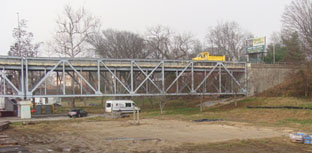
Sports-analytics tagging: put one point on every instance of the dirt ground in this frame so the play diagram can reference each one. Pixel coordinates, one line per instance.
(151, 135)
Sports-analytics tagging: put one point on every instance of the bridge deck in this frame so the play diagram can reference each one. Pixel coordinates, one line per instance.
(48, 63)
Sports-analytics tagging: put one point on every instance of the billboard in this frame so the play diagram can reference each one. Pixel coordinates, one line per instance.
(255, 45)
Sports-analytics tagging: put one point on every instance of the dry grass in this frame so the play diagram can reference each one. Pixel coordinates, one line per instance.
(298, 119)
(296, 85)
(278, 145)
(187, 109)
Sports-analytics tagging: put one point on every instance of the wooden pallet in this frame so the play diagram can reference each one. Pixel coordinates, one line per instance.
(4, 125)
(7, 141)
(8, 145)
(13, 149)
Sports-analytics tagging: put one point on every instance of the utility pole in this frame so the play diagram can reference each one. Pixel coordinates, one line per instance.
(273, 53)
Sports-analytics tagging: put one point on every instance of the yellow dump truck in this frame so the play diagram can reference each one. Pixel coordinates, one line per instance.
(204, 56)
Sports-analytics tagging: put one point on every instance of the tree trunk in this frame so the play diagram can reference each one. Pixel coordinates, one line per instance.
(201, 103)
(306, 78)
(73, 103)
(151, 101)
(235, 102)
(142, 101)
(160, 107)
(102, 101)
(73, 88)
(85, 101)
(162, 104)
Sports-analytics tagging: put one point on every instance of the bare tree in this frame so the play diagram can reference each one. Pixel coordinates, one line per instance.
(297, 23)
(159, 40)
(164, 43)
(198, 47)
(23, 45)
(73, 29)
(183, 46)
(229, 39)
(297, 18)
(118, 44)
(276, 38)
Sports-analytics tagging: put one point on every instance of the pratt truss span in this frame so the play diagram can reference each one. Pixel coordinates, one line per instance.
(81, 77)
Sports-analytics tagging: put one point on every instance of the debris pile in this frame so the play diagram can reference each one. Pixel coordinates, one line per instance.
(7, 144)
(4, 125)
(300, 137)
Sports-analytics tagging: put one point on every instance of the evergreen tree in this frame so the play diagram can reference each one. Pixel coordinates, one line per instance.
(280, 53)
(288, 50)
(293, 48)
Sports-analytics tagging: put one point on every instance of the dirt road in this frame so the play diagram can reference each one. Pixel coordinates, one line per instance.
(121, 136)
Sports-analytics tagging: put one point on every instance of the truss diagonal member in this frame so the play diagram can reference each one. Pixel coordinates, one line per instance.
(95, 91)
(8, 80)
(46, 76)
(222, 86)
(77, 82)
(127, 80)
(185, 85)
(217, 89)
(105, 79)
(116, 77)
(147, 77)
(231, 75)
(207, 76)
(175, 80)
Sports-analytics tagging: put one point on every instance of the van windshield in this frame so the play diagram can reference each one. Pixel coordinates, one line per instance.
(108, 105)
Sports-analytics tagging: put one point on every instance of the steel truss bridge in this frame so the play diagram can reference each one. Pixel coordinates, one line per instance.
(81, 77)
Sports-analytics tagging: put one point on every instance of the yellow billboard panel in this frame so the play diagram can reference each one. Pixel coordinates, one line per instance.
(259, 41)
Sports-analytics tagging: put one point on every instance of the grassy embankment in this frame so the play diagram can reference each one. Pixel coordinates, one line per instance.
(188, 109)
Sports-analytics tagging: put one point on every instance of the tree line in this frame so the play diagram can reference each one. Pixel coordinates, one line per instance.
(79, 34)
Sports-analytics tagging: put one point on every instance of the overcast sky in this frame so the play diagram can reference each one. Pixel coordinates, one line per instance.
(260, 17)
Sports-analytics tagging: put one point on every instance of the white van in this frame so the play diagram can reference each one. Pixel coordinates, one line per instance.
(125, 106)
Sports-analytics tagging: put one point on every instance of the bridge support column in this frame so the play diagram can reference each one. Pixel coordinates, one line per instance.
(24, 109)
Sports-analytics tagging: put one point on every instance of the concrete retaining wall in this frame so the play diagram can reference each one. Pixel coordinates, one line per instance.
(264, 76)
